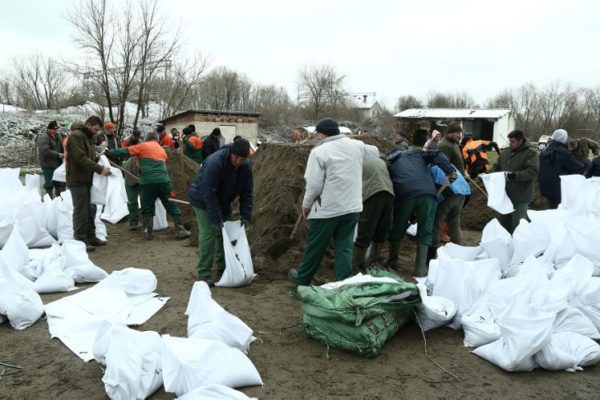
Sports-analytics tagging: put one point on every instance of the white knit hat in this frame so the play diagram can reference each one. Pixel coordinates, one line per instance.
(561, 136)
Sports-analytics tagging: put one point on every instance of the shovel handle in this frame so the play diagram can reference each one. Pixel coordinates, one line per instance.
(296, 225)
(443, 187)
(179, 201)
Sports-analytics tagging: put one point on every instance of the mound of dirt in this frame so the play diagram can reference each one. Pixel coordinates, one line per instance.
(182, 171)
(278, 191)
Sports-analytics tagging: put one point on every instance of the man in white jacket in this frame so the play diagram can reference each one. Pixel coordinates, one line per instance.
(332, 199)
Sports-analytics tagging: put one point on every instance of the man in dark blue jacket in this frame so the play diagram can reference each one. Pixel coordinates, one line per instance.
(224, 176)
(415, 192)
(556, 160)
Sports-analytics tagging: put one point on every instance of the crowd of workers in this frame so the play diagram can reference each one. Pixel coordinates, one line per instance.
(427, 185)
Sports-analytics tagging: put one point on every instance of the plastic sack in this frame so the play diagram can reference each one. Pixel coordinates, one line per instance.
(64, 220)
(568, 351)
(495, 184)
(60, 173)
(14, 278)
(101, 232)
(132, 359)
(77, 264)
(32, 183)
(99, 188)
(434, 311)
(131, 280)
(159, 221)
(189, 363)
(33, 230)
(465, 253)
(573, 320)
(239, 270)
(22, 307)
(479, 325)
(208, 320)
(54, 282)
(497, 243)
(115, 208)
(15, 252)
(214, 392)
(587, 300)
(529, 239)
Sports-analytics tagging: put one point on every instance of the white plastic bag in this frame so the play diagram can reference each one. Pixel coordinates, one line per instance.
(54, 282)
(101, 232)
(60, 173)
(568, 351)
(131, 280)
(239, 270)
(497, 243)
(116, 200)
(434, 311)
(573, 320)
(159, 222)
(99, 188)
(208, 320)
(465, 253)
(64, 220)
(214, 392)
(32, 183)
(189, 363)
(22, 307)
(495, 184)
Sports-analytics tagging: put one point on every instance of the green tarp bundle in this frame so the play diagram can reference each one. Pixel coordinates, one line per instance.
(361, 317)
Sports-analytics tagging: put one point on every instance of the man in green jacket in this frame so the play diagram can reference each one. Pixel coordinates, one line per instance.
(375, 220)
(449, 146)
(580, 148)
(50, 156)
(132, 188)
(80, 167)
(520, 162)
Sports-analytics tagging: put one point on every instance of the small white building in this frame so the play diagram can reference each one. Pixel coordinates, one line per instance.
(365, 104)
(487, 124)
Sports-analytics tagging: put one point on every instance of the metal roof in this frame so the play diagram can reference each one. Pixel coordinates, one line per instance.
(212, 112)
(453, 113)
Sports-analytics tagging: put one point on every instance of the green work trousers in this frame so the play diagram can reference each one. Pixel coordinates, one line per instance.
(449, 211)
(424, 206)
(49, 184)
(149, 192)
(132, 203)
(210, 240)
(375, 219)
(511, 221)
(320, 231)
(84, 213)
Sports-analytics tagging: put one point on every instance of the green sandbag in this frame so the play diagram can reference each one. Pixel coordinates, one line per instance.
(358, 318)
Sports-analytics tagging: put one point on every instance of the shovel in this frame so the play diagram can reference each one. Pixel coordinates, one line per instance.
(283, 245)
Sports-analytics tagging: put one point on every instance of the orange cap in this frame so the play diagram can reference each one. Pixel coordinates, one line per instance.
(109, 125)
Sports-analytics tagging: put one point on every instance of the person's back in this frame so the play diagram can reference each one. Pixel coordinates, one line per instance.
(153, 158)
(410, 173)
(376, 178)
(212, 143)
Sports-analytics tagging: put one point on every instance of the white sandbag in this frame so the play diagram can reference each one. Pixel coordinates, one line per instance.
(9, 178)
(574, 275)
(573, 320)
(497, 243)
(54, 282)
(495, 184)
(452, 250)
(99, 188)
(239, 270)
(86, 273)
(15, 252)
(64, 219)
(208, 320)
(101, 232)
(74, 253)
(434, 311)
(412, 230)
(189, 363)
(34, 233)
(587, 300)
(568, 351)
(6, 227)
(464, 282)
(586, 236)
(116, 204)
(78, 265)
(214, 392)
(159, 221)
(572, 189)
(479, 325)
(22, 307)
(14, 278)
(32, 183)
(529, 239)
(525, 331)
(131, 280)
(133, 362)
(60, 173)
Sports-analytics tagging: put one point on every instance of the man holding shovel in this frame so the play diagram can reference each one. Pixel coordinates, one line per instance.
(332, 199)
(225, 175)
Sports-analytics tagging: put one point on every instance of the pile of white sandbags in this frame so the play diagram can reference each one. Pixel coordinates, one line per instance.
(531, 299)
(207, 364)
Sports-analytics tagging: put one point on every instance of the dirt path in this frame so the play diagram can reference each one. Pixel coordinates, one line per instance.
(291, 365)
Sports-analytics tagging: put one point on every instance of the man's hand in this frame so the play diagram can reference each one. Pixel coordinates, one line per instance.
(510, 176)
(496, 147)
(106, 171)
(452, 176)
(305, 212)
(61, 155)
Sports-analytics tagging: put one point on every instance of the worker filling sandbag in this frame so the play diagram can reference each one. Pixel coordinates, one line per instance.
(358, 314)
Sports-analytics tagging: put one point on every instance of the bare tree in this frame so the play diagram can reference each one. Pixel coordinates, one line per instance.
(448, 100)
(40, 82)
(6, 92)
(407, 102)
(320, 88)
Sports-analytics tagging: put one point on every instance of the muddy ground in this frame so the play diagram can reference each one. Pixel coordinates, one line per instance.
(292, 365)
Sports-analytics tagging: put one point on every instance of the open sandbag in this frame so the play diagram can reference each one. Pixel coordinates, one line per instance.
(208, 320)
(495, 184)
(189, 363)
(239, 270)
(434, 311)
(465, 253)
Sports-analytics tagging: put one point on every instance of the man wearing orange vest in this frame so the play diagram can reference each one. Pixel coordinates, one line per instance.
(163, 137)
(154, 182)
(474, 153)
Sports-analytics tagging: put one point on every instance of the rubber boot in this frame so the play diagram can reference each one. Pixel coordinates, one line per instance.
(375, 256)
(431, 254)
(421, 260)
(180, 231)
(50, 193)
(57, 191)
(444, 237)
(358, 258)
(149, 227)
(394, 257)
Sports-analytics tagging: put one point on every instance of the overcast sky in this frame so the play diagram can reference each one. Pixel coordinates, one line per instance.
(390, 47)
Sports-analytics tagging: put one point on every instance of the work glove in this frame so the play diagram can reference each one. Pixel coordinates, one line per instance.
(452, 176)
(496, 147)
(244, 221)
(510, 176)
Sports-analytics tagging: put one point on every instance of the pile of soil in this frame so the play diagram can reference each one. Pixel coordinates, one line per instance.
(182, 172)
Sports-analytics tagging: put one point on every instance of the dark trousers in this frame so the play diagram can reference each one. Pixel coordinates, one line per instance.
(375, 220)
(424, 206)
(320, 232)
(448, 211)
(84, 213)
(49, 184)
(149, 192)
(132, 203)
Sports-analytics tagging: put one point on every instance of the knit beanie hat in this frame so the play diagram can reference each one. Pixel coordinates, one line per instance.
(187, 131)
(560, 135)
(328, 126)
(216, 132)
(109, 125)
(160, 128)
(53, 125)
(240, 147)
(192, 127)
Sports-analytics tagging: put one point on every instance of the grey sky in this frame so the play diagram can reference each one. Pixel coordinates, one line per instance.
(389, 47)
